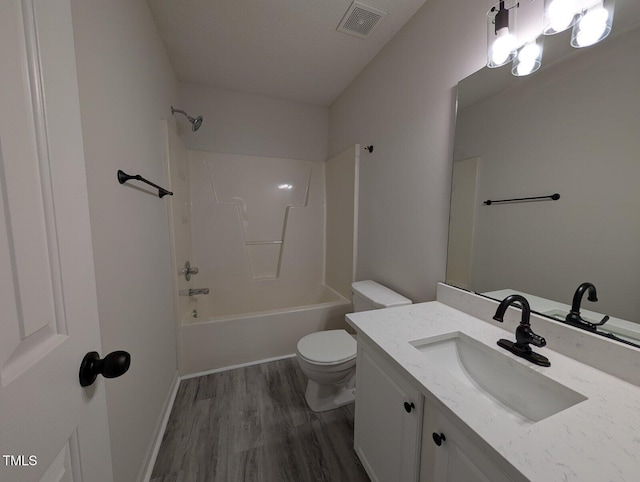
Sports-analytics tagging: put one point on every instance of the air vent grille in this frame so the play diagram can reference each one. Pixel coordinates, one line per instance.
(360, 20)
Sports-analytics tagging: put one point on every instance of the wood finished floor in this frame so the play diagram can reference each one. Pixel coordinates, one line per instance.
(253, 424)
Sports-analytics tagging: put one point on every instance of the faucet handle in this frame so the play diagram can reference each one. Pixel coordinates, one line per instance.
(526, 336)
(594, 325)
(537, 340)
(602, 321)
(188, 270)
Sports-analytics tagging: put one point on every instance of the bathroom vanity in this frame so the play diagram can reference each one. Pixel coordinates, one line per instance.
(438, 400)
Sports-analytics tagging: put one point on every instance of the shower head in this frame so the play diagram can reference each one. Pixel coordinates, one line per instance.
(195, 123)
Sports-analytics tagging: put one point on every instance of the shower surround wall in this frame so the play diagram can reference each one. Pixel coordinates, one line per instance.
(258, 231)
(258, 235)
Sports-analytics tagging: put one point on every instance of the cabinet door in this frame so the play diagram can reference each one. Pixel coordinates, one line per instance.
(387, 436)
(456, 458)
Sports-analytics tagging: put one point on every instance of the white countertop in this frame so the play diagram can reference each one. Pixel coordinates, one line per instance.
(595, 440)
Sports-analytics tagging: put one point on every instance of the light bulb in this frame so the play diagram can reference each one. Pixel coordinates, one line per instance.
(528, 59)
(594, 26)
(502, 33)
(525, 68)
(529, 52)
(503, 47)
(560, 15)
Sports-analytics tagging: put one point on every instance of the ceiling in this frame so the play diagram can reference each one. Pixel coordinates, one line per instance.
(289, 49)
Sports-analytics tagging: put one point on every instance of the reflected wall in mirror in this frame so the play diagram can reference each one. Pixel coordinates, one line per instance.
(571, 128)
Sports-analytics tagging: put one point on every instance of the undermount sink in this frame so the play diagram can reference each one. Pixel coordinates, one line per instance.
(557, 314)
(508, 385)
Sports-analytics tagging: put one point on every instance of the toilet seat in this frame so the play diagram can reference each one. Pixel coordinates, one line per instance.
(330, 347)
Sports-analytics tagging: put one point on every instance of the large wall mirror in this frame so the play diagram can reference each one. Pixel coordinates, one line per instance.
(572, 128)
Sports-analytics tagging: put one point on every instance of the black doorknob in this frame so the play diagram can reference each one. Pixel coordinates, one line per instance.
(409, 406)
(111, 366)
(438, 438)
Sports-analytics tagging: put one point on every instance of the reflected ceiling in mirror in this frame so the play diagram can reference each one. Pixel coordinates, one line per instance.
(571, 128)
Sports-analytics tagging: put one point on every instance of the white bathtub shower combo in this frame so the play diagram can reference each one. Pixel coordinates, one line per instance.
(274, 241)
(328, 358)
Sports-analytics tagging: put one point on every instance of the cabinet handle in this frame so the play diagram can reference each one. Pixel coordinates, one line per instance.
(409, 406)
(438, 438)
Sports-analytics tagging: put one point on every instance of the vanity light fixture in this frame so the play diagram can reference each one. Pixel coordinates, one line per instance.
(501, 33)
(593, 25)
(591, 21)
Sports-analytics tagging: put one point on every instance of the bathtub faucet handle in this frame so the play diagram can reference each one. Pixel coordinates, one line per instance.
(188, 270)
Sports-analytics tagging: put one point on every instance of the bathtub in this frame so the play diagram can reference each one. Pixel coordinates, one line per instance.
(213, 341)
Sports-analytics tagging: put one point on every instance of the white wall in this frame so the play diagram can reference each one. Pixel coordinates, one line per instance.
(342, 173)
(126, 85)
(239, 123)
(403, 104)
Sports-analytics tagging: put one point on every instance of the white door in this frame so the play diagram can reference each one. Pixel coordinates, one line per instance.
(50, 427)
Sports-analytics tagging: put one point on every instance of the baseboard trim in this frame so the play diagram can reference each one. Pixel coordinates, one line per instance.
(233, 367)
(159, 433)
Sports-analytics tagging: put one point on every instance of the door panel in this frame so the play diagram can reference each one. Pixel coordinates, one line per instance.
(24, 165)
(61, 469)
(386, 435)
(49, 314)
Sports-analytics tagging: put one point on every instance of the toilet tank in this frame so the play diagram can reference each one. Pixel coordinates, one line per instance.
(369, 295)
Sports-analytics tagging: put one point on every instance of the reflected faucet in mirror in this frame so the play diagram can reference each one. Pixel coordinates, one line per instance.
(524, 334)
(574, 318)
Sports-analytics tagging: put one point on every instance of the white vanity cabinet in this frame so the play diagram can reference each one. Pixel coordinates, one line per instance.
(449, 455)
(395, 427)
(388, 420)
(503, 418)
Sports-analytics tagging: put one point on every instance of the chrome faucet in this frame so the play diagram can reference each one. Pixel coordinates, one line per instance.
(524, 334)
(574, 318)
(194, 292)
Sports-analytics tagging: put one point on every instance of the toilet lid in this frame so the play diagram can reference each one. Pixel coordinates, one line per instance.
(332, 346)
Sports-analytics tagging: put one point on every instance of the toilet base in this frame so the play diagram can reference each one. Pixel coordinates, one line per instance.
(321, 398)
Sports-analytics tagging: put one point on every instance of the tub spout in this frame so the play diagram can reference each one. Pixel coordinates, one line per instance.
(194, 292)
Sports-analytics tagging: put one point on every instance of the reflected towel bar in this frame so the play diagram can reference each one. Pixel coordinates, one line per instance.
(124, 177)
(552, 197)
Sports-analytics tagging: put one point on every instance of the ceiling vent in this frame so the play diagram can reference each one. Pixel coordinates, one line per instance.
(360, 20)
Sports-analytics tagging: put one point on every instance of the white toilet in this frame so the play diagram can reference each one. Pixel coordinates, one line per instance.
(328, 358)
